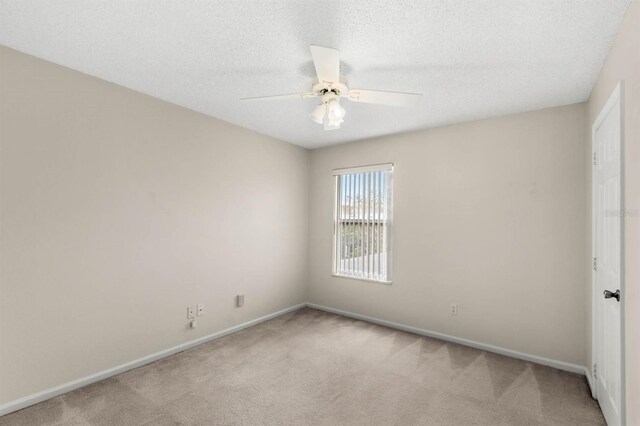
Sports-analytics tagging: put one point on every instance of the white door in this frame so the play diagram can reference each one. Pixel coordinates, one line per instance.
(607, 278)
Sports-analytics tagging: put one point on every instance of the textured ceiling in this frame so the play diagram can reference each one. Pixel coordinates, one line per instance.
(470, 59)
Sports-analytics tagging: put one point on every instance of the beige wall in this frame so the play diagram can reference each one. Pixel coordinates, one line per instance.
(118, 211)
(623, 64)
(489, 215)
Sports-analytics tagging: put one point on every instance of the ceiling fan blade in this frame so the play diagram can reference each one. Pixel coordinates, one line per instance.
(385, 98)
(279, 97)
(327, 63)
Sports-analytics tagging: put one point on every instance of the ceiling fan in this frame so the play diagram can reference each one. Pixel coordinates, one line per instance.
(330, 89)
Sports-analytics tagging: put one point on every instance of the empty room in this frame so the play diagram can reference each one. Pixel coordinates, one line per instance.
(320, 213)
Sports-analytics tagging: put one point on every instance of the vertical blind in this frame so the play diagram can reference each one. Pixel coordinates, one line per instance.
(362, 222)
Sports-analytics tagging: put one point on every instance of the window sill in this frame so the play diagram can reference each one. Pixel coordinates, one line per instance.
(362, 279)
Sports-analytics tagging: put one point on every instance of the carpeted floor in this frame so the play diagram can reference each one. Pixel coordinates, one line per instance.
(311, 367)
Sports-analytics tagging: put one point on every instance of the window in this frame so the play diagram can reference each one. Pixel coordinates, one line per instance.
(362, 223)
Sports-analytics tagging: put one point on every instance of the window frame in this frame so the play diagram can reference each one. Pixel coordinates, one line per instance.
(388, 168)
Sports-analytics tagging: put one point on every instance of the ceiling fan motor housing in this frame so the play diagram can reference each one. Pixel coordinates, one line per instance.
(335, 89)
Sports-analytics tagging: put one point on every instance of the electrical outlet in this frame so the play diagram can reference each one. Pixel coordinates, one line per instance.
(190, 312)
(240, 300)
(200, 309)
(453, 309)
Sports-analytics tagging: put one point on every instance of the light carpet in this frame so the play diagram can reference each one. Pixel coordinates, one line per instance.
(314, 368)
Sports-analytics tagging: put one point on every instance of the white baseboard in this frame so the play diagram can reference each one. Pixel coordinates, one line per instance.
(592, 383)
(566, 366)
(84, 381)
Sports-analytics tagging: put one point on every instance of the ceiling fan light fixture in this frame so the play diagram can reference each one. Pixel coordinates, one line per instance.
(335, 110)
(332, 124)
(317, 115)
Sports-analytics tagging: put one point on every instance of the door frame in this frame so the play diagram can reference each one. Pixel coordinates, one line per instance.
(617, 96)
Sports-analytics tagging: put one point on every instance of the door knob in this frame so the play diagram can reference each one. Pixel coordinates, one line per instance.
(609, 295)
